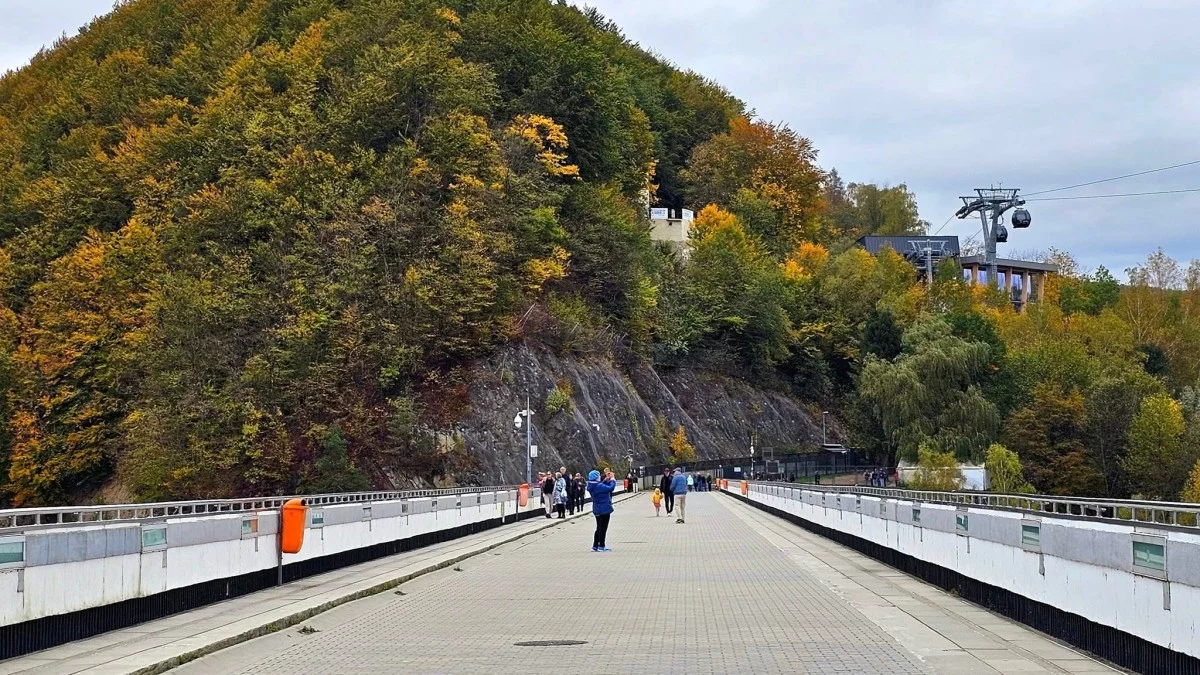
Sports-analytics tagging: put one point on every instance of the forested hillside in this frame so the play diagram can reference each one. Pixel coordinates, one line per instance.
(258, 246)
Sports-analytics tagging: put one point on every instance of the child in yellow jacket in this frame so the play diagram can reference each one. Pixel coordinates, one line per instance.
(657, 499)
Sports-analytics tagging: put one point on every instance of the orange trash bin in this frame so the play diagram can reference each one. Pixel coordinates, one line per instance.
(523, 495)
(745, 488)
(295, 515)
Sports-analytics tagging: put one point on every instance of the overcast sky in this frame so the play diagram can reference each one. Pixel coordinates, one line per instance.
(943, 96)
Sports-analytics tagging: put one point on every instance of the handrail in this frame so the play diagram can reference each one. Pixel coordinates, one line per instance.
(1125, 511)
(17, 520)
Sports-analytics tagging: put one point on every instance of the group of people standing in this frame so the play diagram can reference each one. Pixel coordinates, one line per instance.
(876, 477)
(562, 493)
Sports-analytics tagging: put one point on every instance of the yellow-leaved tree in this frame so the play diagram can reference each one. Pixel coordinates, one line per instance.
(1191, 491)
(936, 471)
(682, 452)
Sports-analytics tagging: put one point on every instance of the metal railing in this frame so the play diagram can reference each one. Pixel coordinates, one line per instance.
(1125, 511)
(18, 520)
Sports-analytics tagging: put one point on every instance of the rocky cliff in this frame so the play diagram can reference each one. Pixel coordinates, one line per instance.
(616, 409)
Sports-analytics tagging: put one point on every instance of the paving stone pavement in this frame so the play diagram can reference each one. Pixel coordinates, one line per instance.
(732, 591)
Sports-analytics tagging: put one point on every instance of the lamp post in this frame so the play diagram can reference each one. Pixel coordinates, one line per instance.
(751, 457)
(824, 413)
(526, 417)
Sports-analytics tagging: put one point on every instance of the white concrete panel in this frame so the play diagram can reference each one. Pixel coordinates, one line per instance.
(1185, 628)
(12, 603)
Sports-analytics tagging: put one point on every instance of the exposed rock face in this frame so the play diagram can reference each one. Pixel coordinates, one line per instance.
(617, 410)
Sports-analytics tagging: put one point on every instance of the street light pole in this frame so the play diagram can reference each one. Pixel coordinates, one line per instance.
(823, 438)
(528, 442)
(752, 457)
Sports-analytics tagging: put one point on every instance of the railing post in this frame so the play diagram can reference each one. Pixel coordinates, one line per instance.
(279, 550)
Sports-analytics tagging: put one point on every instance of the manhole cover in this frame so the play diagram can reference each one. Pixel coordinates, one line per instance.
(550, 643)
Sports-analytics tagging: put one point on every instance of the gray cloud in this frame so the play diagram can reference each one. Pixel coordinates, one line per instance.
(945, 96)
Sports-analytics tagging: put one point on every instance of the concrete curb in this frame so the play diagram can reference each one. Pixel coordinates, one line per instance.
(304, 615)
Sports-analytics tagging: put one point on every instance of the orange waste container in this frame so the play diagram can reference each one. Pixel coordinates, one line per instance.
(745, 488)
(295, 516)
(523, 495)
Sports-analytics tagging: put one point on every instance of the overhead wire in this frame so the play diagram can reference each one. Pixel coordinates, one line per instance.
(1106, 180)
(1031, 196)
(943, 225)
(1122, 194)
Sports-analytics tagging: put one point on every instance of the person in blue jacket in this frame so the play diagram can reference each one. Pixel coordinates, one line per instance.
(602, 506)
(679, 486)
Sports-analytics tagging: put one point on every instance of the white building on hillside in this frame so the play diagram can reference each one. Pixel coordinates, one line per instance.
(671, 226)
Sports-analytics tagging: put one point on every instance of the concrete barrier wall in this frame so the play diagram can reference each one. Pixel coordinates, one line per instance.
(1080, 566)
(68, 569)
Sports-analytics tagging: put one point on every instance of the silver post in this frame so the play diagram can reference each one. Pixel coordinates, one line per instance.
(279, 548)
(528, 442)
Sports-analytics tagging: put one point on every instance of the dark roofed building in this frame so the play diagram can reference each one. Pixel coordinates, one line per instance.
(907, 245)
(920, 250)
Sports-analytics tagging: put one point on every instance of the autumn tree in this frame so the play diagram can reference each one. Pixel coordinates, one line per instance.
(682, 452)
(1157, 463)
(1112, 402)
(936, 471)
(1004, 472)
(863, 209)
(1048, 436)
(741, 291)
(766, 172)
(1191, 489)
(78, 363)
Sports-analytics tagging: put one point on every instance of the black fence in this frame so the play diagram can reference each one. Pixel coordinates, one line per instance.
(795, 467)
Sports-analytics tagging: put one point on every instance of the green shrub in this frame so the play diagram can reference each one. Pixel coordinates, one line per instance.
(559, 400)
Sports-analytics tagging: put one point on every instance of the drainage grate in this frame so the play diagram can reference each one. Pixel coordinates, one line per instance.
(550, 643)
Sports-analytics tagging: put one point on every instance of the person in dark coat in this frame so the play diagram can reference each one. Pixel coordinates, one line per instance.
(580, 491)
(570, 494)
(548, 494)
(664, 484)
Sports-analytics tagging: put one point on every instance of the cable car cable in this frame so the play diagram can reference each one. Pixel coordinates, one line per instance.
(1105, 180)
(1123, 194)
(943, 226)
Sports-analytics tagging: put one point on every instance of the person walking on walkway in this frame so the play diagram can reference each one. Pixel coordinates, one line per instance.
(656, 499)
(665, 486)
(602, 506)
(679, 487)
(691, 482)
(548, 494)
(560, 495)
